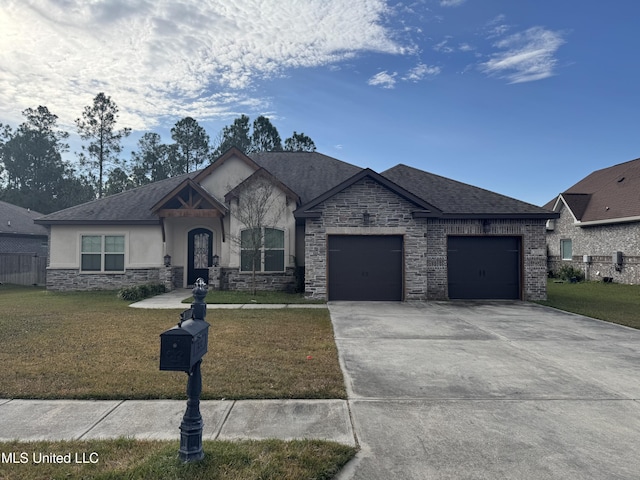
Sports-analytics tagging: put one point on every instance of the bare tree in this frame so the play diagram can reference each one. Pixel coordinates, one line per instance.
(258, 207)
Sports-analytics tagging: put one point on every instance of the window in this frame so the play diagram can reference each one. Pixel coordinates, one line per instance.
(273, 250)
(566, 250)
(258, 244)
(102, 253)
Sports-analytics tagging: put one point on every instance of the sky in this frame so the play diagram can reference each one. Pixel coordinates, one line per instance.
(521, 97)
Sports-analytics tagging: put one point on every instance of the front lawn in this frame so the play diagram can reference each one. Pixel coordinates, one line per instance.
(92, 345)
(141, 460)
(612, 302)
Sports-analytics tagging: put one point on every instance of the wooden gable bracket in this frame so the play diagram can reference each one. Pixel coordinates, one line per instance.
(189, 200)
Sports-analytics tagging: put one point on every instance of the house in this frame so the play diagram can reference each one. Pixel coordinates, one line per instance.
(598, 230)
(403, 234)
(23, 246)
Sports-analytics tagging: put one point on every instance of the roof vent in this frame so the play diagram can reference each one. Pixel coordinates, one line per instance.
(620, 179)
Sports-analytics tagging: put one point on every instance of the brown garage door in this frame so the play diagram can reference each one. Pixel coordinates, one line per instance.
(365, 267)
(484, 267)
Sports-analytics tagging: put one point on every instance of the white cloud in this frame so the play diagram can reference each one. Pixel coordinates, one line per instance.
(383, 79)
(388, 80)
(496, 27)
(527, 56)
(451, 3)
(421, 71)
(443, 46)
(168, 58)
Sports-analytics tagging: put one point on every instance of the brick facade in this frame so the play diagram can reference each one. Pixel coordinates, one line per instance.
(425, 240)
(600, 242)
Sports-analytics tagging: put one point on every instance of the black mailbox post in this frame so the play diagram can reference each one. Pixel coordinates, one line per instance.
(181, 349)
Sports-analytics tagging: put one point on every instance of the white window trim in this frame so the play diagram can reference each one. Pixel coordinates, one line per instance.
(102, 252)
(285, 249)
(562, 240)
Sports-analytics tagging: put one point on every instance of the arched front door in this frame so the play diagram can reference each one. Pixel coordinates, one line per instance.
(199, 255)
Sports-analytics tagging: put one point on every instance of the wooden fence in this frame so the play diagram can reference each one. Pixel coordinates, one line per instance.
(23, 269)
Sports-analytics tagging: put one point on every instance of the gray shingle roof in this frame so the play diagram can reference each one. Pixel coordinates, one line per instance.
(421, 207)
(130, 207)
(16, 220)
(455, 198)
(309, 174)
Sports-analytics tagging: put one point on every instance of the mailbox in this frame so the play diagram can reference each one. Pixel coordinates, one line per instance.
(181, 349)
(183, 346)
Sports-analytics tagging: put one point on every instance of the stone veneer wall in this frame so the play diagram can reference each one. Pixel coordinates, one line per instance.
(72, 279)
(171, 277)
(233, 279)
(389, 214)
(425, 241)
(600, 242)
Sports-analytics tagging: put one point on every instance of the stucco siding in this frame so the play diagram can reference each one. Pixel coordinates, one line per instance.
(177, 231)
(143, 244)
(280, 217)
(226, 177)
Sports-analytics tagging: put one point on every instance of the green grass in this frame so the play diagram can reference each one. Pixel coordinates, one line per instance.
(612, 302)
(238, 297)
(141, 460)
(91, 345)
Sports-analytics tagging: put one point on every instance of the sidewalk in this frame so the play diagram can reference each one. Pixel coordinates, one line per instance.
(31, 420)
(174, 299)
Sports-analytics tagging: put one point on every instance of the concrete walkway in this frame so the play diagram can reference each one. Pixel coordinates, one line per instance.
(174, 299)
(30, 420)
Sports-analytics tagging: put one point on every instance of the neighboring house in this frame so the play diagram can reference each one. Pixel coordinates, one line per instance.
(599, 226)
(23, 246)
(403, 234)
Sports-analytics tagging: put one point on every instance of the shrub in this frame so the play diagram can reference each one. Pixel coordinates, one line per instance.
(140, 292)
(570, 273)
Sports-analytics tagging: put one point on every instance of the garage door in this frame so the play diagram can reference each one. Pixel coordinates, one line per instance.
(484, 267)
(365, 267)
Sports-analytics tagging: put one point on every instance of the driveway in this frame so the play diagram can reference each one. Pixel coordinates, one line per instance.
(488, 390)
